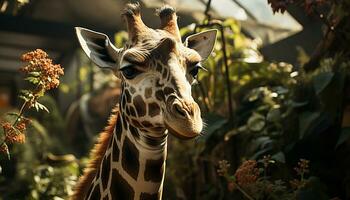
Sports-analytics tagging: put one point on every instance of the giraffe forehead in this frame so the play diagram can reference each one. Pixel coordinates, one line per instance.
(140, 50)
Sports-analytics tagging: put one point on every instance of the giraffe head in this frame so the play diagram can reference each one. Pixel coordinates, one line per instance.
(157, 70)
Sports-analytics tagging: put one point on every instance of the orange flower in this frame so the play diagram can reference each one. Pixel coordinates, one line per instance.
(21, 126)
(247, 173)
(231, 186)
(223, 168)
(39, 62)
(303, 167)
(7, 126)
(4, 148)
(12, 137)
(38, 54)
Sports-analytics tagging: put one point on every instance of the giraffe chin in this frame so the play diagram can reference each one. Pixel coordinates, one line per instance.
(179, 135)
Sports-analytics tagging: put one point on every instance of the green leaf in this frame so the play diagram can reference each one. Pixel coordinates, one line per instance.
(23, 97)
(321, 81)
(296, 104)
(274, 115)
(344, 136)
(35, 74)
(305, 121)
(279, 156)
(13, 114)
(256, 122)
(214, 122)
(26, 92)
(32, 79)
(38, 106)
(314, 189)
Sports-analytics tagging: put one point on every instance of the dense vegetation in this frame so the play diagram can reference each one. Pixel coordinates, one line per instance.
(274, 131)
(287, 136)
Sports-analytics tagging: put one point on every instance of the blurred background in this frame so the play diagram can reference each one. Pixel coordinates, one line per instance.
(275, 92)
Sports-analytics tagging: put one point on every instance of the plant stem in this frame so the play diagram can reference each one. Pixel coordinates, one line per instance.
(244, 192)
(21, 111)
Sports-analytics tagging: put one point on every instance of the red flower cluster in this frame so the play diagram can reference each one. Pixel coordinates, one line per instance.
(15, 134)
(303, 167)
(223, 168)
(247, 173)
(48, 73)
(4, 148)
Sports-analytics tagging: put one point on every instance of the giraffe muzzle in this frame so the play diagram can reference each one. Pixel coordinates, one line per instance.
(183, 109)
(183, 118)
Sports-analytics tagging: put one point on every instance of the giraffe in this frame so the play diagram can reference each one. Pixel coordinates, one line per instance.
(156, 71)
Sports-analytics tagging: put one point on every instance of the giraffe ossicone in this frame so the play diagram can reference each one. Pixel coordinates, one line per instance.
(157, 71)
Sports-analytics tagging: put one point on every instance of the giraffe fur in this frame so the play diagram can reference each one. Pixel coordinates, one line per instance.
(157, 71)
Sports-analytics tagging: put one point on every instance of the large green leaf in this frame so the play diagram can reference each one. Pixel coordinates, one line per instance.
(256, 122)
(305, 121)
(279, 156)
(274, 114)
(344, 136)
(321, 81)
(214, 122)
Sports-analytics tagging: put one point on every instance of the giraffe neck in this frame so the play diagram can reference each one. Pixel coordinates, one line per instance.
(132, 167)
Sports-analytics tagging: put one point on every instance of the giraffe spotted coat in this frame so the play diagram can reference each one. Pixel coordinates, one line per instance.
(157, 71)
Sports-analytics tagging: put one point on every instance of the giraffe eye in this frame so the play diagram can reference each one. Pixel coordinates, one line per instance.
(194, 71)
(130, 72)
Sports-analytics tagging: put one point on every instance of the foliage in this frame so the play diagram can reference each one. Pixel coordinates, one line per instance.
(54, 182)
(13, 7)
(280, 115)
(259, 90)
(252, 180)
(278, 111)
(35, 171)
(43, 75)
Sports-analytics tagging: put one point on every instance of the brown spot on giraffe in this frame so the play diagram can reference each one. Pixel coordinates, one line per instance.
(146, 196)
(134, 131)
(132, 90)
(132, 112)
(160, 95)
(153, 109)
(127, 96)
(95, 194)
(106, 166)
(154, 170)
(115, 152)
(121, 189)
(130, 159)
(119, 129)
(127, 110)
(139, 105)
(136, 123)
(146, 124)
(168, 90)
(148, 92)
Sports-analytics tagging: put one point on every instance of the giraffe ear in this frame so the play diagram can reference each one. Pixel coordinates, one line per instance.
(98, 48)
(202, 42)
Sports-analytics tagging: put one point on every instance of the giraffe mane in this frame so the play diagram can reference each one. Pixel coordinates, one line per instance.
(96, 156)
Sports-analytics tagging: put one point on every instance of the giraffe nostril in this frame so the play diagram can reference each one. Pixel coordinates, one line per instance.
(179, 110)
